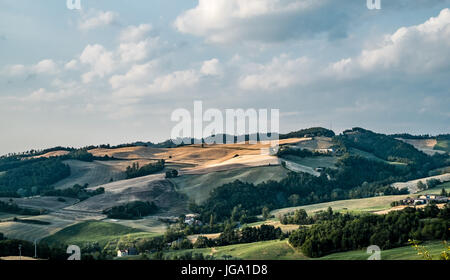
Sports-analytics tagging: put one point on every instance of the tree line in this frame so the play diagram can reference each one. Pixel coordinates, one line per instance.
(343, 232)
(135, 170)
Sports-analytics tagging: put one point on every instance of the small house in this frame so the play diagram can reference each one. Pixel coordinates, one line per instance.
(122, 253)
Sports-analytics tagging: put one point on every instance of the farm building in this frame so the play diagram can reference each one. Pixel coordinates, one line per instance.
(425, 199)
(191, 219)
(127, 252)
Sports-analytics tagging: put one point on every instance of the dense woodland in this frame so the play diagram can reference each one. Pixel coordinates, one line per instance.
(132, 210)
(336, 232)
(309, 132)
(32, 178)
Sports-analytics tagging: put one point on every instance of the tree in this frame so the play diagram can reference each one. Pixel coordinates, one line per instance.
(203, 242)
(173, 173)
(294, 199)
(211, 221)
(265, 213)
(421, 186)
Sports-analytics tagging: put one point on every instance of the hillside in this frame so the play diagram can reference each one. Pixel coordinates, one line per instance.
(358, 171)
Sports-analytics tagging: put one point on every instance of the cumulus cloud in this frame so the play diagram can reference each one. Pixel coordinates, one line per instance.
(281, 72)
(15, 70)
(137, 73)
(71, 65)
(136, 51)
(211, 67)
(422, 48)
(45, 66)
(146, 79)
(262, 20)
(175, 80)
(43, 95)
(134, 33)
(101, 62)
(97, 19)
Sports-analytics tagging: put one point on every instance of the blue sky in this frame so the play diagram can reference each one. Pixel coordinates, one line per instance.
(114, 71)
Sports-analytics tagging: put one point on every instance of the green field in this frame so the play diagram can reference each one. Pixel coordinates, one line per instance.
(30, 232)
(314, 162)
(371, 156)
(401, 253)
(371, 204)
(437, 189)
(198, 187)
(281, 250)
(107, 235)
(265, 250)
(443, 145)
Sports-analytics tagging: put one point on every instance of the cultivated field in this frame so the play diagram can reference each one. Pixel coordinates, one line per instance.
(425, 145)
(401, 253)
(198, 187)
(314, 143)
(281, 250)
(437, 189)
(107, 235)
(149, 188)
(32, 232)
(52, 154)
(42, 202)
(265, 250)
(95, 173)
(149, 224)
(196, 155)
(412, 185)
(443, 145)
(314, 162)
(371, 204)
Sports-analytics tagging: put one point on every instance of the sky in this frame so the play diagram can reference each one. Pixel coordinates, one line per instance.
(114, 71)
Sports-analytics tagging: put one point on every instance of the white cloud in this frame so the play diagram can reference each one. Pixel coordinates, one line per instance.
(416, 49)
(211, 67)
(15, 70)
(261, 20)
(137, 73)
(71, 65)
(42, 95)
(137, 51)
(98, 19)
(135, 33)
(281, 72)
(133, 85)
(175, 80)
(46, 66)
(101, 62)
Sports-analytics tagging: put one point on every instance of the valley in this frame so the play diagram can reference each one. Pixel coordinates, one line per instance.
(204, 170)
